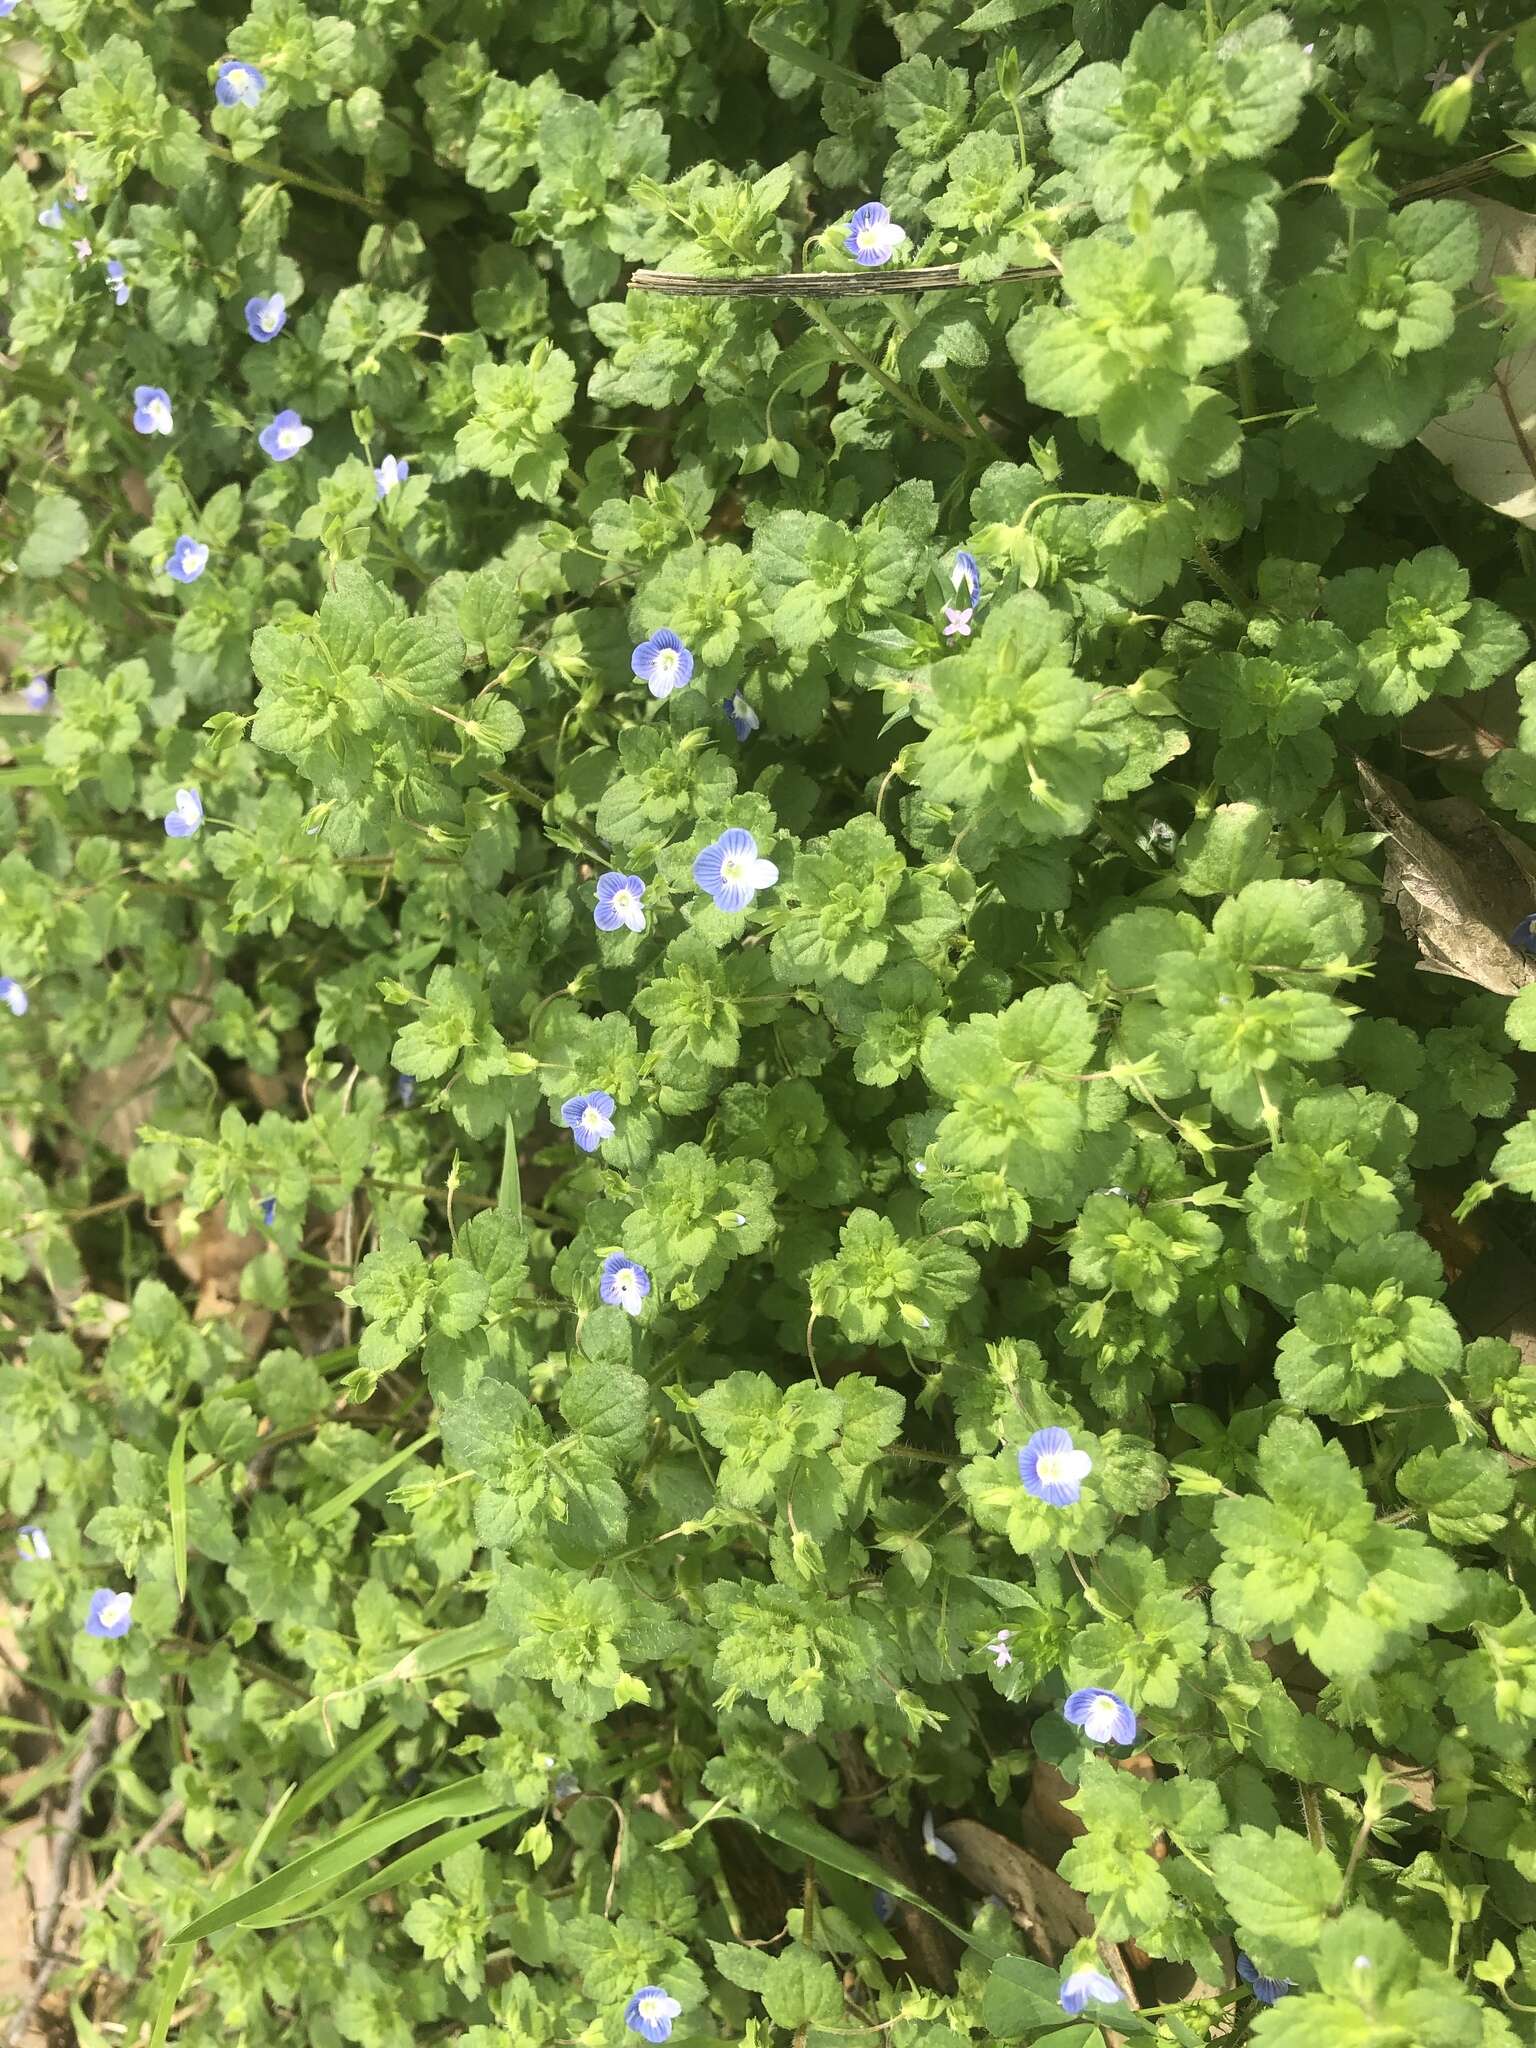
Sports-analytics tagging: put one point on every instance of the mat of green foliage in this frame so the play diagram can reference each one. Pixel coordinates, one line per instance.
(590, 1592)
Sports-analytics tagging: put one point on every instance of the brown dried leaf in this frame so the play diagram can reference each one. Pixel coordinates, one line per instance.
(1458, 881)
(1053, 1915)
(213, 1257)
(1490, 445)
(1473, 728)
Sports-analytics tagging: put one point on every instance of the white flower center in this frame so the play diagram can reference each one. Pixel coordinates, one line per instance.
(623, 901)
(239, 80)
(734, 867)
(159, 413)
(1055, 1468)
(1101, 1720)
(117, 1609)
(625, 1285)
(592, 1119)
(869, 238)
(666, 665)
(650, 2009)
(290, 437)
(270, 317)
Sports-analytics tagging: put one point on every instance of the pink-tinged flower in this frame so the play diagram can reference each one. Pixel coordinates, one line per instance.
(957, 622)
(999, 1651)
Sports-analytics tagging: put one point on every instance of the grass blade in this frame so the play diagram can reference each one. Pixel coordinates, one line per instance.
(176, 1493)
(509, 1196)
(334, 1858)
(425, 1856)
(809, 1838)
(788, 51)
(338, 1503)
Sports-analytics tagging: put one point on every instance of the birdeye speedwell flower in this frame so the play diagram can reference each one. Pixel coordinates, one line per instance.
(110, 1614)
(1083, 1985)
(390, 473)
(37, 694)
(619, 900)
(266, 318)
(152, 409)
(623, 1284)
(1267, 1990)
(13, 995)
(33, 1544)
(1102, 1716)
(744, 720)
(965, 575)
(185, 815)
(187, 560)
(284, 436)
(589, 1118)
(662, 663)
(117, 282)
(873, 237)
(731, 870)
(1052, 1469)
(238, 85)
(650, 2013)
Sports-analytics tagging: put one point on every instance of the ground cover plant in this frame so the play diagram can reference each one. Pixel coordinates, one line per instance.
(768, 1122)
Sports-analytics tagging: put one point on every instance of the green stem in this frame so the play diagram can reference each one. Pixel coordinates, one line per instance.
(319, 185)
(883, 378)
(956, 399)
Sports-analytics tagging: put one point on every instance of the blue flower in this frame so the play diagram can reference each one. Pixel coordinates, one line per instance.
(1102, 1716)
(37, 694)
(742, 716)
(662, 663)
(623, 1285)
(933, 1846)
(1052, 1470)
(284, 436)
(618, 903)
(265, 319)
(52, 216)
(390, 472)
(238, 85)
(268, 1208)
(110, 1614)
(8, 8)
(33, 1544)
(13, 995)
(589, 1118)
(651, 2012)
(1267, 1990)
(873, 237)
(187, 560)
(152, 409)
(882, 1905)
(1523, 937)
(957, 622)
(117, 282)
(966, 576)
(731, 872)
(185, 815)
(405, 1089)
(1084, 1984)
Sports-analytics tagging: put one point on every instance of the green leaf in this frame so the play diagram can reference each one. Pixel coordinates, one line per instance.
(58, 535)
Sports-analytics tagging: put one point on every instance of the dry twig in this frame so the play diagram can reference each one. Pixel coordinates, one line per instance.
(100, 1740)
(825, 284)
